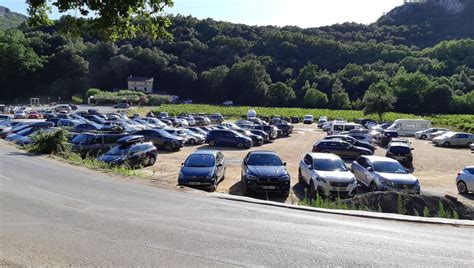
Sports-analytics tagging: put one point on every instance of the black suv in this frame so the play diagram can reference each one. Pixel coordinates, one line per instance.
(352, 141)
(224, 137)
(94, 144)
(131, 151)
(284, 129)
(340, 148)
(401, 152)
(162, 139)
(272, 131)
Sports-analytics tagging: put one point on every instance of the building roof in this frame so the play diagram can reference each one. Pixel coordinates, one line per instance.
(139, 79)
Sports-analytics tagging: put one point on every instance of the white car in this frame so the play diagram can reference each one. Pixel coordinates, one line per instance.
(425, 134)
(465, 180)
(308, 119)
(326, 174)
(20, 114)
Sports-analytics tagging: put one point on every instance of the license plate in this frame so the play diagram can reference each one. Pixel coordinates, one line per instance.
(268, 187)
(339, 189)
(399, 158)
(194, 183)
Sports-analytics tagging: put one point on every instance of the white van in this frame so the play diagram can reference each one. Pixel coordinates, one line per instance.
(251, 114)
(408, 127)
(339, 127)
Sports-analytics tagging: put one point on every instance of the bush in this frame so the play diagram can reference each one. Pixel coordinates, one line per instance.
(50, 143)
(143, 100)
(76, 99)
(93, 91)
(158, 100)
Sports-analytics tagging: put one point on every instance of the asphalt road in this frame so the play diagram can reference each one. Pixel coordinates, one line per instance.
(57, 215)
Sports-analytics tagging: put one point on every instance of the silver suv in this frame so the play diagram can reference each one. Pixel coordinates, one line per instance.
(454, 139)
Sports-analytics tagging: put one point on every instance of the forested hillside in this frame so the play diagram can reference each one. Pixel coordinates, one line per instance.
(210, 61)
(9, 19)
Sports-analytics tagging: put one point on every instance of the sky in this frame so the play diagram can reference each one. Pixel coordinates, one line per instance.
(302, 13)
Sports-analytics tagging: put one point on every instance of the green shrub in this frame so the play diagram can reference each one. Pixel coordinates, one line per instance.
(50, 143)
(76, 99)
(158, 100)
(92, 92)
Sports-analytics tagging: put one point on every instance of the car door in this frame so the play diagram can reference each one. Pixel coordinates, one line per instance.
(308, 169)
(220, 165)
(360, 170)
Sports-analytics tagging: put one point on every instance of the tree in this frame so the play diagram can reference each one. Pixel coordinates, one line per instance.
(315, 99)
(378, 99)
(214, 79)
(112, 20)
(437, 99)
(279, 94)
(339, 97)
(92, 91)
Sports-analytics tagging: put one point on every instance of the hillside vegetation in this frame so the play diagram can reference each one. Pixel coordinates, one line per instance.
(9, 19)
(209, 61)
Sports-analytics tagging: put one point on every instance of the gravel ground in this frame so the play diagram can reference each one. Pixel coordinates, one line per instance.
(436, 168)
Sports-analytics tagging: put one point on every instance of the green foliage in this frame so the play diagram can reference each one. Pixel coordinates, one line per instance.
(92, 163)
(401, 205)
(143, 100)
(50, 143)
(314, 98)
(378, 99)
(279, 94)
(93, 91)
(441, 211)
(76, 99)
(426, 212)
(339, 97)
(158, 100)
(116, 19)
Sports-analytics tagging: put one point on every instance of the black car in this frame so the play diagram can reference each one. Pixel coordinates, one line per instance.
(162, 139)
(53, 120)
(284, 129)
(122, 105)
(256, 139)
(272, 131)
(216, 118)
(295, 120)
(264, 171)
(261, 133)
(402, 152)
(131, 151)
(86, 128)
(384, 138)
(203, 169)
(352, 141)
(257, 121)
(95, 118)
(94, 144)
(227, 137)
(340, 148)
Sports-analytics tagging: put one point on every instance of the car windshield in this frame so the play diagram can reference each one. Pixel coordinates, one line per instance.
(25, 131)
(264, 160)
(329, 165)
(389, 167)
(200, 160)
(119, 150)
(400, 149)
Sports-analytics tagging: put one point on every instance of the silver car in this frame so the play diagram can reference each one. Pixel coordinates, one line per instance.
(454, 139)
(193, 137)
(384, 174)
(424, 134)
(465, 180)
(326, 174)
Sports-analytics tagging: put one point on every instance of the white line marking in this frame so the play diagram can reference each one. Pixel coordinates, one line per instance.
(6, 178)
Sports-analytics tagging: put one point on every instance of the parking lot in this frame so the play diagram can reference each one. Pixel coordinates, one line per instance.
(435, 167)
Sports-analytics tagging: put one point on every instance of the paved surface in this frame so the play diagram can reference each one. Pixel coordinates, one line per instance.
(57, 215)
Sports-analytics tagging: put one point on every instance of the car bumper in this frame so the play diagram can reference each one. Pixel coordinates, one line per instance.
(342, 191)
(256, 186)
(197, 183)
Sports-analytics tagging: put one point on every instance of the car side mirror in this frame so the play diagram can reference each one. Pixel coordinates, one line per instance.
(412, 149)
(370, 169)
(284, 163)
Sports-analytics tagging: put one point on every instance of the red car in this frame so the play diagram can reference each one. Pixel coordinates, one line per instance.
(34, 115)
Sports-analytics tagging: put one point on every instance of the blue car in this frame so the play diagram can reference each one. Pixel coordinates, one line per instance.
(227, 137)
(203, 169)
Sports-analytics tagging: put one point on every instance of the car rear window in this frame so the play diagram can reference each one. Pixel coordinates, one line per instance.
(470, 170)
(400, 150)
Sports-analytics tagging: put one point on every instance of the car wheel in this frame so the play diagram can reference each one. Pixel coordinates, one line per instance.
(446, 144)
(300, 177)
(212, 143)
(167, 146)
(423, 137)
(151, 160)
(373, 187)
(311, 191)
(468, 144)
(462, 187)
(192, 141)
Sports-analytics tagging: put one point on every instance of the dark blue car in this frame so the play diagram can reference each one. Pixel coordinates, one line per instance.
(131, 151)
(224, 137)
(203, 169)
(264, 171)
(340, 148)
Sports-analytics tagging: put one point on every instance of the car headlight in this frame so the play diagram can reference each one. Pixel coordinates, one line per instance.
(321, 179)
(285, 177)
(210, 175)
(387, 182)
(181, 175)
(251, 177)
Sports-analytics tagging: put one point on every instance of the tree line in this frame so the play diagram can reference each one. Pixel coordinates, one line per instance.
(211, 62)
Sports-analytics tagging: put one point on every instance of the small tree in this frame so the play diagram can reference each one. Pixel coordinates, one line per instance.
(378, 99)
(76, 99)
(93, 91)
(279, 94)
(315, 99)
(339, 96)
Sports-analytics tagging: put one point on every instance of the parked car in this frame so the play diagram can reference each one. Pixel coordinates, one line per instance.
(34, 115)
(454, 139)
(384, 174)
(95, 118)
(261, 133)
(337, 128)
(308, 119)
(203, 169)
(408, 127)
(257, 121)
(194, 138)
(472, 147)
(295, 120)
(225, 137)
(326, 174)
(4, 118)
(256, 139)
(162, 139)
(272, 131)
(20, 114)
(340, 148)
(28, 139)
(401, 152)
(424, 134)
(94, 144)
(352, 141)
(86, 127)
(131, 151)
(202, 121)
(264, 171)
(284, 129)
(14, 137)
(465, 180)
(322, 120)
(216, 118)
(384, 138)
(228, 103)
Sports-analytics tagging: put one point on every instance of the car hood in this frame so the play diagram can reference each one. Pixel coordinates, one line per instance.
(398, 178)
(336, 176)
(197, 171)
(110, 158)
(267, 171)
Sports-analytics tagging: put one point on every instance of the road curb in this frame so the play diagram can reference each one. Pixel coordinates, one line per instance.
(353, 213)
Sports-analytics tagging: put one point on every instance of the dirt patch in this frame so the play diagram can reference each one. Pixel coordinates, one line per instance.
(415, 205)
